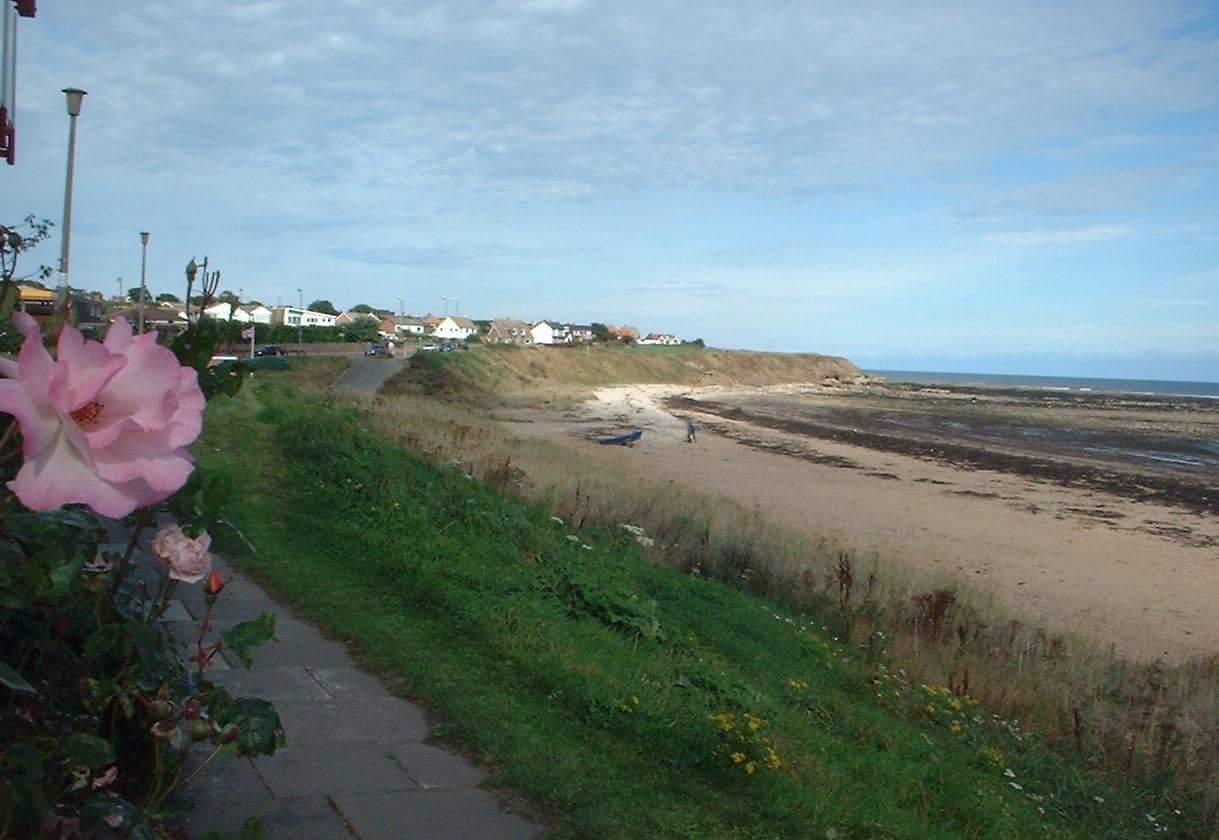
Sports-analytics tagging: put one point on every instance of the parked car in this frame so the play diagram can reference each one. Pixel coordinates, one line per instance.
(270, 350)
(429, 347)
(378, 350)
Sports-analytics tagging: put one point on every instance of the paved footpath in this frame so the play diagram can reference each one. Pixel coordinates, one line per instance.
(356, 764)
(367, 375)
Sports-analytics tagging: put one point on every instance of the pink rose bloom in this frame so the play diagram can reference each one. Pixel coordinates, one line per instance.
(103, 424)
(188, 560)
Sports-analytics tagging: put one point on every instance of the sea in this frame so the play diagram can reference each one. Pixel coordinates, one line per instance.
(1162, 387)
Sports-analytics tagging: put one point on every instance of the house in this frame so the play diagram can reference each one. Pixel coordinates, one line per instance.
(160, 317)
(455, 328)
(350, 317)
(508, 331)
(387, 326)
(294, 316)
(258, 313)
(659, 338)
(550, 332)
(410, 326)
(580, 332)
(39, 303)
(224, 311)
(624, 333)
(430, 323)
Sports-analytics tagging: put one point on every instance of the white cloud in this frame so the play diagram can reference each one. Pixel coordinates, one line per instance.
(1060, 236)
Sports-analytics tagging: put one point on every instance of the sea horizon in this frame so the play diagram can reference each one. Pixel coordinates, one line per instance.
(1123, 385)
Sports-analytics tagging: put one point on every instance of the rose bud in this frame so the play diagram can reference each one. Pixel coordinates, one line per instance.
(192, 709)
(200, 730)
(214, 584)
(229, 734)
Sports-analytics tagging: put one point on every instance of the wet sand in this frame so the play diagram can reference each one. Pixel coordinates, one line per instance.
(1089, 513)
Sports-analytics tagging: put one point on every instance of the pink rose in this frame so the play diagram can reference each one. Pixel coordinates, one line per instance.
(104, 424)
(188, 560)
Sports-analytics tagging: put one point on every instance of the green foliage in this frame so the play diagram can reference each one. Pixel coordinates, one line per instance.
(601, 332)
(244, 637)
(363, 308)
(367, 329)
(630, 697)
(134, 294)
(324, 306)
(168, 297)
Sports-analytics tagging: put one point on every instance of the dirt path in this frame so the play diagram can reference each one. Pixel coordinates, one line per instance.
(1081, 560)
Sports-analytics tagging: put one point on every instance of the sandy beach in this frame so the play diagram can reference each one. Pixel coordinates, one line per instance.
(1104, 540)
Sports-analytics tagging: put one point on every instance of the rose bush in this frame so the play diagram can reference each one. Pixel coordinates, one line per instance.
(101, 705)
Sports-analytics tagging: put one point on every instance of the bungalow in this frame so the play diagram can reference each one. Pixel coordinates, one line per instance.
(659, 338)
(257, 313)
(455, 328)
(509, 331)
(410, 326)
(580, 332)
(550, 332)
(625, 333)
(294, 316)
(224, 311)
(430, 323)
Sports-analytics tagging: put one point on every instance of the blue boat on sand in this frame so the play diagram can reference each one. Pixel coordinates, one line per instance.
(621, 440)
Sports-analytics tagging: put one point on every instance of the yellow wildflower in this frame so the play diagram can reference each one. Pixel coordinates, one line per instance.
(738, 757)
(750, 768)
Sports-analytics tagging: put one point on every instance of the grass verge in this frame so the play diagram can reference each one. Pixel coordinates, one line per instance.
(629, 698)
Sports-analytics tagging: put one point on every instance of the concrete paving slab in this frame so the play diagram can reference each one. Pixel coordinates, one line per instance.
(431, 815)
(342, 682)
(308, 769)
(432, 767)
(351, 718)
(224, 780)
(304, 818)
(320, 653)
(291, 682)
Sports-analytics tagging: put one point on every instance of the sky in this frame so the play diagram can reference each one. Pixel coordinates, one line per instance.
(986, 186)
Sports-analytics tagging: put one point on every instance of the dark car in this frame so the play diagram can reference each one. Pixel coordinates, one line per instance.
(378, 350)
(270, 350)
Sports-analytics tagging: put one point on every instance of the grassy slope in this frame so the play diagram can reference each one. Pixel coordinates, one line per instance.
(494, 372)
(588, 676)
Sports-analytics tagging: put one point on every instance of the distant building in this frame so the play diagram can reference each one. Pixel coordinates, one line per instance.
(580, 332)
(411, 326)
(659, 338)
(257, 313)
(624, 333)
(293, 316)
(550, 332)
(508, 331)
(455, 328)
(430, 323)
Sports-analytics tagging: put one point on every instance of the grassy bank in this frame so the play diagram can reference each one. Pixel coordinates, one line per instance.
(628, 698)
(1140, 723)
(503, 373)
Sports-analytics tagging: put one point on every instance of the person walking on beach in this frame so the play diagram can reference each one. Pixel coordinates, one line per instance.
(690, 430)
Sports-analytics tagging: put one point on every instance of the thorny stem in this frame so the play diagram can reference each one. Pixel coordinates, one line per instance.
(145, 516)
(201, 659)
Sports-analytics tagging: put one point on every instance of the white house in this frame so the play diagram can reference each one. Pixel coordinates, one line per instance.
(258, 314)
(455, 328)
(550, 332)
(659, 338)
(222, 311)
(580, 332)
(410, 326)
(293, 316)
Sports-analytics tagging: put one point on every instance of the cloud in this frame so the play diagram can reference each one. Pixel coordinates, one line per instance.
(1060, 236)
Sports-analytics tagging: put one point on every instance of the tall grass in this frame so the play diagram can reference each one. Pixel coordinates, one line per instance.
(1138, 722)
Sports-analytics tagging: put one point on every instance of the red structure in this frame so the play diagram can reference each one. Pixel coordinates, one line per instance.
(10, 10)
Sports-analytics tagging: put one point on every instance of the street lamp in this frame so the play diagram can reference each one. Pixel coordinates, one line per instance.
(143, 266)
(401, 307)
(75, 96)
(300, 321)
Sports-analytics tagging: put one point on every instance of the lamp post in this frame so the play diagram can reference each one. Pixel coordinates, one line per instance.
(74, 96)
(143, 267)
(300, 320)
(401, 307)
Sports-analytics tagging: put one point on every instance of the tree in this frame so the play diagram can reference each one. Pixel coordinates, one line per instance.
(363, 308)
(167, 297)
(324, 306)
(362, 329)
(601, 332)
(133, 295)
(16, 239)
(228, 297)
